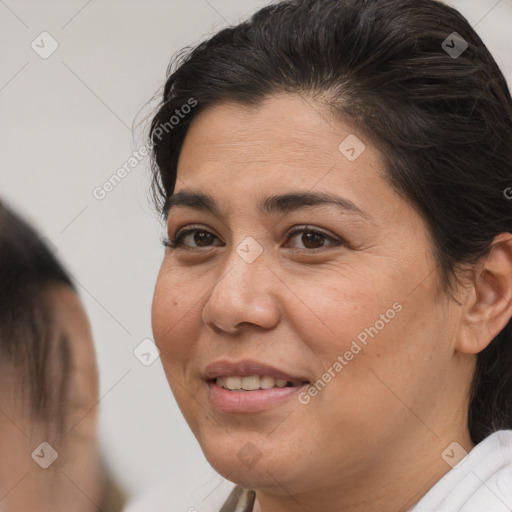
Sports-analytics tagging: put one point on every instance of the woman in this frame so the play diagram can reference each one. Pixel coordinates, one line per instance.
(334, 305)
(49, 444)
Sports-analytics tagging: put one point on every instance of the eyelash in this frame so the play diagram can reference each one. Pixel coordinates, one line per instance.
(177, 241)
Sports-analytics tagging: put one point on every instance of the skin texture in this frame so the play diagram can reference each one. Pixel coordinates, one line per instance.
(372, 439)
(74, 481)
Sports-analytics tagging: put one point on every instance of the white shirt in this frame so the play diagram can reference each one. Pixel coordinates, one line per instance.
(481, 482)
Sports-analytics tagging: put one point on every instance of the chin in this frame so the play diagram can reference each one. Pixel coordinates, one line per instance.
(252, 461)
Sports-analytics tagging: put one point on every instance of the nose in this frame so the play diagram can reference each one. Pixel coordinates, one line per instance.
(243, 295)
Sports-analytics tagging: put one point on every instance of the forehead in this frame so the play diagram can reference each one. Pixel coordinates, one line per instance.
(283, 129)
(247, 153)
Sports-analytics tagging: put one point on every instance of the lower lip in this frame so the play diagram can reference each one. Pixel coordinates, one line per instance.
(249, 401)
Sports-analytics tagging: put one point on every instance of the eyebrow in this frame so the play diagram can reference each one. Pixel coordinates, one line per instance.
(283, 203)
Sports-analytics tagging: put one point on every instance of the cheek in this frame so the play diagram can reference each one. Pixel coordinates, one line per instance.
(389, 357)
(360, 325)
(175, 317)
(335, 308)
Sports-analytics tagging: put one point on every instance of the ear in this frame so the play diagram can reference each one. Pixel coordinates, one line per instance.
(488, 305)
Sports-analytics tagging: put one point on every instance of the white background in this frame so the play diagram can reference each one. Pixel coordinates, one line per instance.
(68, 123)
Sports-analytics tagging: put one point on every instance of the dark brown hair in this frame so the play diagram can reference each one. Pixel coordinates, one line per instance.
(30, 343)
(442, 121)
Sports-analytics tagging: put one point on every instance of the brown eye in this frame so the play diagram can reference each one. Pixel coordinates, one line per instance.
(200, 237)
(312, 239)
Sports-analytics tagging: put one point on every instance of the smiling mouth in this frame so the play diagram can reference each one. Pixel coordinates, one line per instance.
(254, 383)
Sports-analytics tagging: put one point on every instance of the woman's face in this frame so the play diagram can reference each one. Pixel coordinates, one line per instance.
(349, 305)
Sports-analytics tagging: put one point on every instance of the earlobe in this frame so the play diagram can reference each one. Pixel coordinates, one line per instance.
(488, 305)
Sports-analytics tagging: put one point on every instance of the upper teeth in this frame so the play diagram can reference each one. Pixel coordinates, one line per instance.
(250, 383)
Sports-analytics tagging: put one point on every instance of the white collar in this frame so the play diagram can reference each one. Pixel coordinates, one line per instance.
(482, 482)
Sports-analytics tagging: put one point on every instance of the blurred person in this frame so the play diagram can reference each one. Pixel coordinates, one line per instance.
(50, 459)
